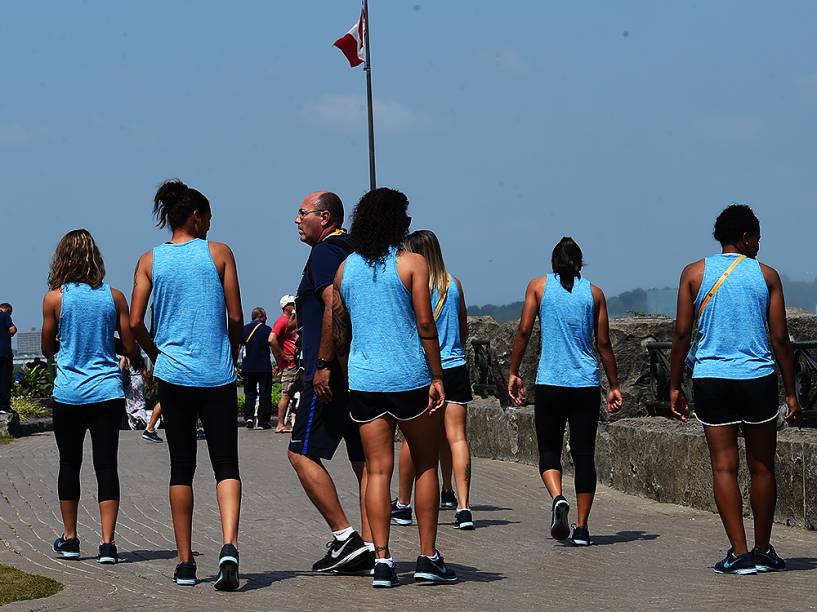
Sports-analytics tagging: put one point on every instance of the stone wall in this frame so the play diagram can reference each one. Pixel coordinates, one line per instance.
(654, 457)
(629, 335)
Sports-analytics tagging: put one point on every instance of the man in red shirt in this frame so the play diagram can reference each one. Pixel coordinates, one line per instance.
(282, 341)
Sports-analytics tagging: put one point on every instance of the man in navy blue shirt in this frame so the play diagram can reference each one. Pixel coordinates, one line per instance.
(256, 369)
(320, 426)
(7, 330)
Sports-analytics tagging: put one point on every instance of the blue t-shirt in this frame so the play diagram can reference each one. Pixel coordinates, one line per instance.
(5, 336)
(319, 273)
(257, 351)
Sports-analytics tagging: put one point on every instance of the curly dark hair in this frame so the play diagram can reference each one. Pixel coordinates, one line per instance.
(733, 222)
(379, 222)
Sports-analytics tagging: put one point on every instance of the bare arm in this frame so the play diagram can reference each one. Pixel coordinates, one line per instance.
(49, 344)
(423, 315)
(142, 286)
(232, 298)
(275, 347)
(533, 295)
(123, 324)
(682, 339)
(336, 334)
(12, 330)
(602, 333)
(463, 315)
(779, 336)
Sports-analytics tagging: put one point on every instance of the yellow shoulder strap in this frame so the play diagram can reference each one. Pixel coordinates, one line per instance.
(717, 285)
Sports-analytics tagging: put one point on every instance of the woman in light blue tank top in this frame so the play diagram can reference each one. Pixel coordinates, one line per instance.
(81, 314)
(450, 315)
(198, 323)
(395, 373)
(572, 315)
(729, 300)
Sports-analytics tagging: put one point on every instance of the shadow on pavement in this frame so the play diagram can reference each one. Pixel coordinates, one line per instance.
(488, 508)
(261, 580)
(137, 556)
(465, 573)
(480, 523)
(617, 538)
(801, 563)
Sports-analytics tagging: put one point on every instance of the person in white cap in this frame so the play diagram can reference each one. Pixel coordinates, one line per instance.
(282, 341)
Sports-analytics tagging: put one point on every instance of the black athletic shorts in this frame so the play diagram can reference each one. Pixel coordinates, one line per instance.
(457, 385)
(320, 427)
(366, 406)
(726, 401)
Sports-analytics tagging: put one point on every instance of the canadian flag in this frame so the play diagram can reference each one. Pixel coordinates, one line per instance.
(352, 43)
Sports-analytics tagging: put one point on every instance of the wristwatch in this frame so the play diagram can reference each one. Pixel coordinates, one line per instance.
(320, 364)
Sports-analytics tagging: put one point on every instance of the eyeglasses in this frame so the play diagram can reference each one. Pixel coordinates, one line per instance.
(302, 213)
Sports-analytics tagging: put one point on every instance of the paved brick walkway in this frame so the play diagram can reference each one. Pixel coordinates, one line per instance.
(646, 555)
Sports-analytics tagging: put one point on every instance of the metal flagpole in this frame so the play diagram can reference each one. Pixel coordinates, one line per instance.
(368, 68)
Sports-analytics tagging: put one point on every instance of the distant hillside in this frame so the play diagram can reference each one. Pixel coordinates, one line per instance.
(799, 294)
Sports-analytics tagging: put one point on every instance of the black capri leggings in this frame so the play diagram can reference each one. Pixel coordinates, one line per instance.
(217, 407)
(555, 406)
(71, 422)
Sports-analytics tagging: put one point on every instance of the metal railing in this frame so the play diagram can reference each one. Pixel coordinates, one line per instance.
(805, 360)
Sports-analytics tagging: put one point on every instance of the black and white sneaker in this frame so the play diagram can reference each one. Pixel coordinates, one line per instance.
(361, 566)
(768, 561)
(385, 576)
(249, 423)
(734, 564)
(340, 553)
(448, 501)
(151, 436)
(463, 520)
(559, 527)
(67, 548)
(185, 574)
(400, 516)
(580, 537)
(433, 571)
(107, 554)
(227, 569)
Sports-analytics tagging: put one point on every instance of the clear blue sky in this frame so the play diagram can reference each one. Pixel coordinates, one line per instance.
(627, 125)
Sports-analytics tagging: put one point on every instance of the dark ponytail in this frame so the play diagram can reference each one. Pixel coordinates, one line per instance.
(174, 202)
(567, 262)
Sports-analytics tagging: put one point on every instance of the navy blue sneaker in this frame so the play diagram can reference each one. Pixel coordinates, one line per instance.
(433, 571)
(200, 435)
(151, 436)
(227, 569)
(559, 528)
(107, 554)
(400, 516)
(385, 576)
(185, 574)
(580, 537)
(733, 564)
(768, 561)
(67, 548)
(448, 501)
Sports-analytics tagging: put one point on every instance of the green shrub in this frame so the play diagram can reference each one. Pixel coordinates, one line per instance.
(35, 381)
(28, 409)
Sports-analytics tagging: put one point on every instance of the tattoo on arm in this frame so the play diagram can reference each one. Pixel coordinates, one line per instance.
(341, 325)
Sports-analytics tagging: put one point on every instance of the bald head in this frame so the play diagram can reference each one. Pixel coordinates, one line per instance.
(328, 201)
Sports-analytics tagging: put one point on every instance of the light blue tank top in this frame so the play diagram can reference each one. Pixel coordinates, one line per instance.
(448, 326)
(732, 339)
(87, 368)
(386, 354)
(190, 317)
(566, 325)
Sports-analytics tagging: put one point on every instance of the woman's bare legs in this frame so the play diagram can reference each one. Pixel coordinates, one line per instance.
(761, 444)
(423, 435)
(723, 453)
(378, 445)
(405, 475)
(455, 446)
(154, 417)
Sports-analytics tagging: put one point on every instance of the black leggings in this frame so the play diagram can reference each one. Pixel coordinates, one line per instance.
(217, 407)
(555, 406)
(70, 424)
